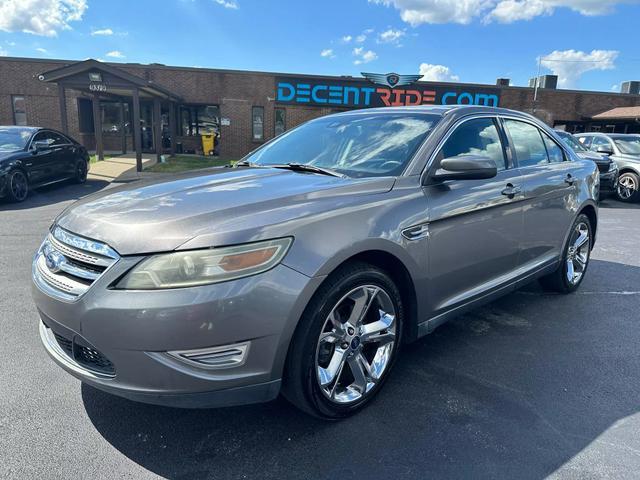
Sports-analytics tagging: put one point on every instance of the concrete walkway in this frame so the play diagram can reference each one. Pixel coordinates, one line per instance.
(119, 169)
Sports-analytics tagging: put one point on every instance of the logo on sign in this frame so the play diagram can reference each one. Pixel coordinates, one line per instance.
(391, 80)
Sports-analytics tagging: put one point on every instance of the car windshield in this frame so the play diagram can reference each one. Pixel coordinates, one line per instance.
(629, 145)
(12, 139)
(358, 145)
(572, 142)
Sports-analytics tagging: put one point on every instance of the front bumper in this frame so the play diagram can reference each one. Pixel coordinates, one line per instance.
(136, 331)
(609, 181)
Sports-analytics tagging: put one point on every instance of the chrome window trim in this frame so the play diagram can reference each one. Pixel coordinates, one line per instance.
(460, 121)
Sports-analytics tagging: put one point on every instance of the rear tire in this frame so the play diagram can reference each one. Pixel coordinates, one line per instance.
(575, 259)
(628, 189)
(17, 187)
(81, 171)
(354, 318)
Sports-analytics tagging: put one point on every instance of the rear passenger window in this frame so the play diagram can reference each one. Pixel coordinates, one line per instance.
(555, 153)
(475, 137)
(527, 143)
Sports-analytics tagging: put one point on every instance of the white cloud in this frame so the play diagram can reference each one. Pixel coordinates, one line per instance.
(416, 12)
(364, 56)
(347, 38)
(3, 52)
(40, 17)
(232, 4)
(437, 73)
(327, 53)
(570, 65)
(361, 38)
(391, 36)
(115, 54)
(41, 50)
(104, 32)
(615, 87)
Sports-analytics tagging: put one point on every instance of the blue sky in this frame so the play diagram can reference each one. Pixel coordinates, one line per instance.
(590, 44)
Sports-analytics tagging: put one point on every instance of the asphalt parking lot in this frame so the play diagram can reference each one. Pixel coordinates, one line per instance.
(533, 385)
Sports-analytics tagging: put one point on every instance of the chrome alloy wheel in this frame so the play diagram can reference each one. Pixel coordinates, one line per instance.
(578, 253)
(356, 344)
(627, 186)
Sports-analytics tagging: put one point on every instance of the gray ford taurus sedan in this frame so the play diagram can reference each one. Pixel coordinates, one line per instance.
(304, 268)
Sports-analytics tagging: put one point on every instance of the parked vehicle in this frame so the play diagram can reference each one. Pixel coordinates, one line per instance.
(306, 266)
(625, 151)
(32, 157)
(607, 167)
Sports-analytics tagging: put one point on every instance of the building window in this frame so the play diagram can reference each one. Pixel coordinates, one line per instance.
(257, 121)
(112, 117)
(19, 111)
(199, 119)
(280, 124)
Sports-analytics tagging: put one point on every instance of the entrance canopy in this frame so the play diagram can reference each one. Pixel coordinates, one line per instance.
(101, 81)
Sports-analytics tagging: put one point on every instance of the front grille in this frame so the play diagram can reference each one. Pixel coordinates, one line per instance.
(67, 265)
(603, 167)
(83, 354)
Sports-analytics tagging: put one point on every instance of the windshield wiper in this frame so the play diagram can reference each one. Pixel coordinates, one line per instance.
(303, 167)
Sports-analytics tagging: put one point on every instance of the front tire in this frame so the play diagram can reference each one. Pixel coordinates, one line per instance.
(17, 188)
(346, 343)
(628, 189)
(575, 259)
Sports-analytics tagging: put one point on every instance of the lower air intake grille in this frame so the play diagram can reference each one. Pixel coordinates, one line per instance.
(84, 355)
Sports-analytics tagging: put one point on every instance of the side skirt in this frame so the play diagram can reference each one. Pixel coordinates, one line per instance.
(490, 295)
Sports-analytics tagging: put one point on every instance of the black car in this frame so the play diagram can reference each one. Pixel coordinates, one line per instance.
(33, 156)
(606, 166)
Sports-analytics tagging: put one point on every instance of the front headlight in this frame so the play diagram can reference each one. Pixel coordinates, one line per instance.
(201, 267)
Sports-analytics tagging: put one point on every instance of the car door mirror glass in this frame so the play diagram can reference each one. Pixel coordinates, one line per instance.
(466, 167)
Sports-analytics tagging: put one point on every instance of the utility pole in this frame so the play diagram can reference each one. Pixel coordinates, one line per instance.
(537, 83)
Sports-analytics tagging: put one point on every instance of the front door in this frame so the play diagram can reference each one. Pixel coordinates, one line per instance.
(475, 225)
(43, 165)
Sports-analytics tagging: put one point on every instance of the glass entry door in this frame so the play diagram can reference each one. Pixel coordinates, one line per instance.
(146, 126)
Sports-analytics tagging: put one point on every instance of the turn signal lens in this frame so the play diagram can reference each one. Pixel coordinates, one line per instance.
(201, 267)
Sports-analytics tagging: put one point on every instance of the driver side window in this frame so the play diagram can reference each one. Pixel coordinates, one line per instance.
(43, 137)
(475, 137)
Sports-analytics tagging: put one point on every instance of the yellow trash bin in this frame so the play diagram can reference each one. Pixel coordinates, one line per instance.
(208, 143)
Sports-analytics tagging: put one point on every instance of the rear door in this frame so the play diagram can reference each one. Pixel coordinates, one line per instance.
(550, 190)
(475, 225)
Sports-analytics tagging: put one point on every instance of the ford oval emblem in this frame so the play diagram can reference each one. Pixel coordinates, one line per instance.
(53, 260)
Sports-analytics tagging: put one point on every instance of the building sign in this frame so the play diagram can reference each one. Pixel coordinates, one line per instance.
(97, 87)
(382, 90)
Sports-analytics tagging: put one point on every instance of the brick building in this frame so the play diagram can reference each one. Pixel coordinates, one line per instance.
(97, 103)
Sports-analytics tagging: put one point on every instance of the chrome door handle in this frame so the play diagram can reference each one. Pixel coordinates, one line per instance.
(569, 180)
(511, 190)
(416, 233)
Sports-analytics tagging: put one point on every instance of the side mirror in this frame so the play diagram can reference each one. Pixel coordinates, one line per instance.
(466, 167)
(41, 146)
(604, 150)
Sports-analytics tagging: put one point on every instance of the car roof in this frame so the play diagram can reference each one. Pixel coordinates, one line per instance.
(18, 127)
(449, 110)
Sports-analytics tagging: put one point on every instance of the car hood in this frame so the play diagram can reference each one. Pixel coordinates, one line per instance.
(220, 207)
(596, 157)
(627, 157)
